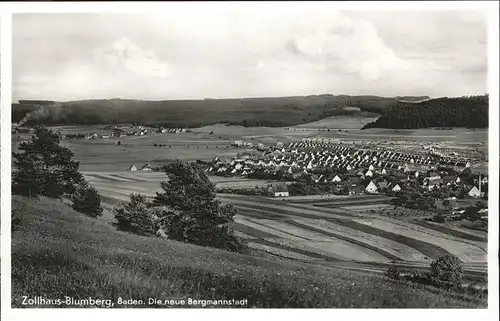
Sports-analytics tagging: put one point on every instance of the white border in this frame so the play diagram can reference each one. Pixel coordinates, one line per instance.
(5, 148)
(199, 8)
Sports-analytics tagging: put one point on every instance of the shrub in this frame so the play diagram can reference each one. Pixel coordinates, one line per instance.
(87, 200)
(438, 218)
(137, 215)
(393, 273)
(17, 216)
(446, 271)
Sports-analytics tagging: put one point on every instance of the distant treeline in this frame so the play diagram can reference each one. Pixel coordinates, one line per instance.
(280, 111)
(470, 112)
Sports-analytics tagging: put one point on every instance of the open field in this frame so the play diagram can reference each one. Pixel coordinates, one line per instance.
(297, 229)
(459, 136)
(207, 142)
(356, 121)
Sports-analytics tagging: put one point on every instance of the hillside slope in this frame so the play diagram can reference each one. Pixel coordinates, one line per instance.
(58, 252)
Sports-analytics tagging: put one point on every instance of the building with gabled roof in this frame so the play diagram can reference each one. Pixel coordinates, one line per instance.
(371, 188)
(474, 192)
(278, 190)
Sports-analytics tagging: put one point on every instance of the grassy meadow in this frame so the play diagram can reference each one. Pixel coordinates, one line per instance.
(57, 251)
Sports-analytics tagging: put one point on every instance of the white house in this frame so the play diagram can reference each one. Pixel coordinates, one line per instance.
(369, 173)
(474, 192)
(132, 168)
(384, 172)
(146, 168)
(336, 179)
(371, 188)
(396, 188)
(278, 190)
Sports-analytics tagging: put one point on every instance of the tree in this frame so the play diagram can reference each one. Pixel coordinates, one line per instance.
(191, 213)
(137, 215)
(44, 167)
(446, 271)
(87, 200)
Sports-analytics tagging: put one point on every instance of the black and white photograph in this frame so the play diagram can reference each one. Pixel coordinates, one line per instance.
(252, 156)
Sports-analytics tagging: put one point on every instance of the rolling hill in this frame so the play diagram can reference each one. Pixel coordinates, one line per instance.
(271, 112)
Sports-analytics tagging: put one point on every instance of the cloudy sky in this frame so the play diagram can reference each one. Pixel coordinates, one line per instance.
(247, 53)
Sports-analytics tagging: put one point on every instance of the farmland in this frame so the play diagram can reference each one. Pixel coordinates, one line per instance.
(354, 231)
(299, 230)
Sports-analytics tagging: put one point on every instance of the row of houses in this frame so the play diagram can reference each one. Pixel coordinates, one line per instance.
(144, 168)
(241, 143)
(171, 130)
(343, 164)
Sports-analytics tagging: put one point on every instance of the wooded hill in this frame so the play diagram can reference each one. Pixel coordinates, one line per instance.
(272, 112)
(470, 112)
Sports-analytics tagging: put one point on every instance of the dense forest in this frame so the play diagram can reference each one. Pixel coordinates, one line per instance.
(250, 112)
(470, 112)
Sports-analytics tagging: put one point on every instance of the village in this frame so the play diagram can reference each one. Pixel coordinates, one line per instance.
(424, 181)
(108, 132)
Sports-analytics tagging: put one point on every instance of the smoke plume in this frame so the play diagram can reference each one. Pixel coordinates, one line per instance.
(46, 113)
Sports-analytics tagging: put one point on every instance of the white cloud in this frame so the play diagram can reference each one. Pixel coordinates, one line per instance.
(124, 54)
(177, 56)
(117, 71)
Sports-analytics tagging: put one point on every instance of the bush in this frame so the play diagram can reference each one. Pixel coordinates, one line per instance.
(446, 271)
(438, 218)
(137, 215)
(393, 273)
(17, 216)
(87, 200)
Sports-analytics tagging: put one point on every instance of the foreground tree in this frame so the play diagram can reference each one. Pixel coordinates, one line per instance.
(190, 211)
(87, 200)
(447, 271)
(44, 168)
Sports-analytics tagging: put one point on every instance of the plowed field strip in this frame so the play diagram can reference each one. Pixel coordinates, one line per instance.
(350, 203)
(283, 209)
(325, 210)
(281, 230)
(350, 240)
(466, 250)
(431, 232)
(253, 231)
(268, 230)
(337, 198)
(297, 250)
(106, 178)
(428, 249)
(274, 250)
(273, 211)
(404, 252)
(253, 212)
(450, 231)
(129, 178)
